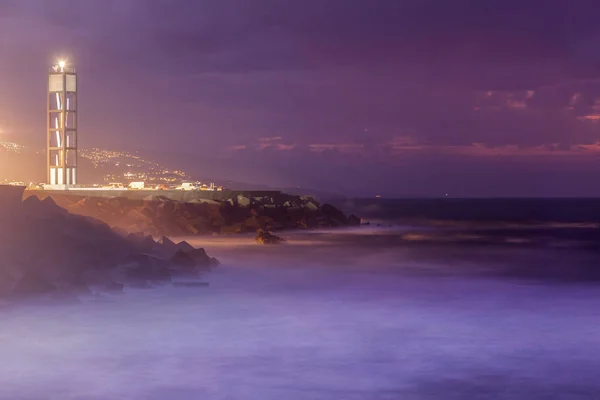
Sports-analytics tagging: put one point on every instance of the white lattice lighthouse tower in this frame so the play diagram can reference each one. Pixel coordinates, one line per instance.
(62, 125)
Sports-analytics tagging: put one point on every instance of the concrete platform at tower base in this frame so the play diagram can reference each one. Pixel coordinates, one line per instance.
(175, 195)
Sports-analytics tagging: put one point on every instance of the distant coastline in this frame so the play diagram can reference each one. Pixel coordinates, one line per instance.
(482, 211)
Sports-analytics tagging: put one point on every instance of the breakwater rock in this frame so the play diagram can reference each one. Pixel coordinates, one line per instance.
(158, 216)
(266, 237)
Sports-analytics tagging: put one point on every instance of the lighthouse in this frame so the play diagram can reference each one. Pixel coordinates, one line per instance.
(62, 126)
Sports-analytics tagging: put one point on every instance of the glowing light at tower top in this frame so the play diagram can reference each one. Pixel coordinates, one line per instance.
(61, 65)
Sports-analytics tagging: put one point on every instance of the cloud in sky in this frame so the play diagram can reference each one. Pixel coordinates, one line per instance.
(385, 92)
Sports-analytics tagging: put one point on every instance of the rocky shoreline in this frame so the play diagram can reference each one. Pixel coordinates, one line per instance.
(47, 251)
(160, 216)
(65, 247)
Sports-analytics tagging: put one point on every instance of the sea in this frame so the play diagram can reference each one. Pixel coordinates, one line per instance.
(479, 210)
(433, 299)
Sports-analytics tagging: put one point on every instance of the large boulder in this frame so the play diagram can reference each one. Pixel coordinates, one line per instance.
(266, 237)
(312, 205)
(243, 200)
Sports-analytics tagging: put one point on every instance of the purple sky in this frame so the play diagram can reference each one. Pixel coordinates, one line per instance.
(411, 97)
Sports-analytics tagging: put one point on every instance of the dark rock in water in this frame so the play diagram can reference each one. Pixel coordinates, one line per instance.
(32, 284)
(266, 237)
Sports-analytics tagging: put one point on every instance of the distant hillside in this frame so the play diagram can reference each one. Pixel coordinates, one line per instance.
(29, 165)
(25, 164)
(21, 163)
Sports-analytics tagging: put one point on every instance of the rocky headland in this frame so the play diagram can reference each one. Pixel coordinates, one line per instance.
(46, 250)
(162, 216)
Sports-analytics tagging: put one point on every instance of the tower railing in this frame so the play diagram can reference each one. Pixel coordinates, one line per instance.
(56, 69)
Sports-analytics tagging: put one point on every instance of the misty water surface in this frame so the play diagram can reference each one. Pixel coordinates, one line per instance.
(322, 317)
